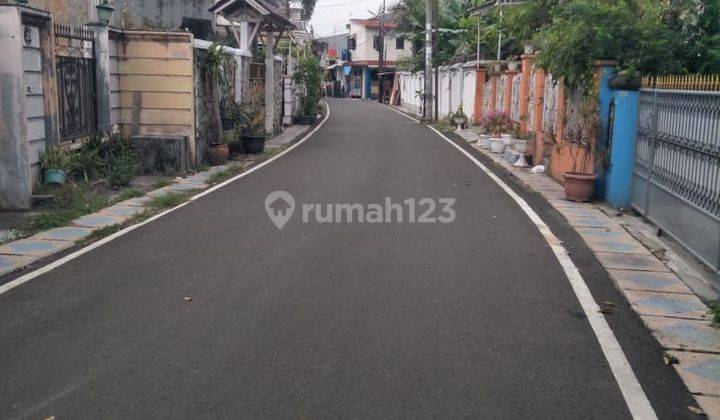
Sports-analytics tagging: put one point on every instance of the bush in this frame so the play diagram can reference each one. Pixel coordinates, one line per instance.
(86, 163)
(119, 159)
(309, 75)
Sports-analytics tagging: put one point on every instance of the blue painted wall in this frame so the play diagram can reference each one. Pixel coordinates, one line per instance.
(604, 98)
(618, 178)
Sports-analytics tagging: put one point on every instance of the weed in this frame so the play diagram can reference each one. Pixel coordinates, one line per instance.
(169, 200)
(129, 193)
(221, 176)
(162, 183)
(715, 312)
(71, 202)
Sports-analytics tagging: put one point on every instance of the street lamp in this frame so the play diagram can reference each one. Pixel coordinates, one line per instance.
(104, 12)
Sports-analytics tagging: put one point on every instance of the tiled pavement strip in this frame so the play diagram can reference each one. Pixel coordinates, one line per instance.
(21, 253)
(672, 312)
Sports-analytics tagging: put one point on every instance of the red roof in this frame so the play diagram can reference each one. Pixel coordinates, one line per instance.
(373, 23)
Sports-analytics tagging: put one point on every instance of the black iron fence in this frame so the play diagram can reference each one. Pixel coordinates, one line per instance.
(75, 66)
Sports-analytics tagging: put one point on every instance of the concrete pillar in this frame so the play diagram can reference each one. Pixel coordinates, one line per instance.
(15, 186)
(604, 71)
(527, 60)
(539, 97)
(270, 84)
(480, 74)
(102, 78)
(493, 91)
(618, 177)
(507, 95)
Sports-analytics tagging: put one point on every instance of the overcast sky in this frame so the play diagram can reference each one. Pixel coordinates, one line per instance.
(330, 16)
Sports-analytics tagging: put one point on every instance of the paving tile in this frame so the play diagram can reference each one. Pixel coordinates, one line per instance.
(626, 261)
(183, 186)
(98, 221)
(10, 263)
(649, 281)
(158, 192)
(121, 210)
(667, 304)
(699, 371)
(595, 222)
(578, 211)
(610, 240)
(567, 203)
(685, 334)
(137, 201)
(69, 233)
(710, 405)
(34, 247)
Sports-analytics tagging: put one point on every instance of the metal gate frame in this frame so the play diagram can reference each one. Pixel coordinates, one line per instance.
(676, 176)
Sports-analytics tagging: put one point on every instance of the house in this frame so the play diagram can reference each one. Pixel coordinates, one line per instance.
(361, 70)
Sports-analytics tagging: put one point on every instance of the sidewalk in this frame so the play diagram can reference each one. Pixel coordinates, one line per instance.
(22, 253)
(677, 318)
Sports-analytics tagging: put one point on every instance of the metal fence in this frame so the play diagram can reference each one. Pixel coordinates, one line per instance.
(676, 177)
(75, 66)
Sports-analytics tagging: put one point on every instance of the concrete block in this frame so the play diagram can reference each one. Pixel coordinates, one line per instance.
(69, 233)
(667, 304)
(625, 261)
(580, 211)
(611, 240)
(98, 221)
(162, 154)
(183, 186)
(699, 371)
(684, 334)
(594, 222)
(710, 405)
(34, 247)
(121, 211)
(136, 202)
(10, 263)
(649, 281)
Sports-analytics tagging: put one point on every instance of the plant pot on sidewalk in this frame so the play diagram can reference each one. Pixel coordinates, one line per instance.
(253, 144)
(497, 145)
(484, 141)
(579, 187)
(507, 139)
(54, 177)
(521, 146)
(218, 154)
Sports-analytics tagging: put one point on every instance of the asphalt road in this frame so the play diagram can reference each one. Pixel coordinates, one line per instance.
(472, 319)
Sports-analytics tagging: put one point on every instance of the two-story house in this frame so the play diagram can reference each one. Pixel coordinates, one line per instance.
(361, 71)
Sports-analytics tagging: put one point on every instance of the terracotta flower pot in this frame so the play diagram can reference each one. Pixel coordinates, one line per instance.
(218, 154)
(579, 187)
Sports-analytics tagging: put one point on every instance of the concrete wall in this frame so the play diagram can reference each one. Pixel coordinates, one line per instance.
(155, 84)
(68, 12)
(34, 112)
(166, 14)
(114, 81)
(365, 51)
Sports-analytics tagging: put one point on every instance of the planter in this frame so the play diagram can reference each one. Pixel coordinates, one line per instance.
(54, 177)
(253, 144)
(484, 141)
(305, 119)
(497, 145)
(507, 139)
(218, 154)
(528, 48)
(513, 66)
(521, 146)
(625, 82)
(459, 122)
(579, 187)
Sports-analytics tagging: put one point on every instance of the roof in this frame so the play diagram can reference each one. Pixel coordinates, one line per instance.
(266, 8)
(373, 23)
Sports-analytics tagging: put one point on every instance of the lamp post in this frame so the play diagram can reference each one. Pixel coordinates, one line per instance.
(104, 12)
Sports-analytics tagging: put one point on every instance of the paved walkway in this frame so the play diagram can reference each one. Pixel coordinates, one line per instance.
(212, 311)
(667, 306)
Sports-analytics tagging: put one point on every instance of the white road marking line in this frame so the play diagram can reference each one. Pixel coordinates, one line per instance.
(630, 388)
(62, 261)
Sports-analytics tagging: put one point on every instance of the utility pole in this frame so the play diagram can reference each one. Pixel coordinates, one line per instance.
(381, 53)
(428, 91)
(436, 34)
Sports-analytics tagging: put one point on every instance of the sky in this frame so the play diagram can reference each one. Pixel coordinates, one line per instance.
(330, 16)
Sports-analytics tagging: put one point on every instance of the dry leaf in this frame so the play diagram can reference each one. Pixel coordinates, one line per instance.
(188, 299)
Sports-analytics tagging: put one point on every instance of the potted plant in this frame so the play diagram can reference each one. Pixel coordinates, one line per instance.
(253, 133)
(308, 76)
(580, 138)
(513, 64)
(215, 58)
(497, 123)
(459, 117)
(55, 163)
(528, 47)
(522, 141)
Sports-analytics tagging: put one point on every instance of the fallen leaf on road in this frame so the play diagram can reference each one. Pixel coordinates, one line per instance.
(50, 418)
(669, 359)
(188, 299)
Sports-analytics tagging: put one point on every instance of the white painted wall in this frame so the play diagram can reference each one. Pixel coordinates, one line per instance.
(364, 49)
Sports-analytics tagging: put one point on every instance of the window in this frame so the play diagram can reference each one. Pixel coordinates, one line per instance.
(399, 43)
(351, 43)
(376, 42)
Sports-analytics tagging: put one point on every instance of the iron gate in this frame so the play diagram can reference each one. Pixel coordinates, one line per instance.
(676, 176)
(75, 66)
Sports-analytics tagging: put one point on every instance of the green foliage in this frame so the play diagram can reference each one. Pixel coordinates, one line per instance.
(71, 201)
(119, 159)
(226, 173)
(309, 76)
(169, 200)
(129, 193)
(56, 157)
(86, 162)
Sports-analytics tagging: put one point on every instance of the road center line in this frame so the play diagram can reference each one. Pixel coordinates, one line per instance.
(630, 388)
(66, 259)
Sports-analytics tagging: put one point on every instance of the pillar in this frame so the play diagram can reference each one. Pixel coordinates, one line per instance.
(102, 78)
(270, 84)
(493, 91)
(507, 95)
(539, 96)
(604, 71)
(15, 187)
(618, 177)
(526, 74)
(478, 111)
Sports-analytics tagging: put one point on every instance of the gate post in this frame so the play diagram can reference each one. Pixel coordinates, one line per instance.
(604, 71)
(478, 111)
(15, 186)
(618, 177)
(102, 78)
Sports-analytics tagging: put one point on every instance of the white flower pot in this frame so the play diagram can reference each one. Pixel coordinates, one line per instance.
(513, 66)
(521, 146)
(507, 139)
(484, 141)
(529, 48)
(497, 145)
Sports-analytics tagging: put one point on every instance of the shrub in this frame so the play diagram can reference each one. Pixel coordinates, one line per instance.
(56, 157)
(309, 76)
(119, 159)
(86, 162)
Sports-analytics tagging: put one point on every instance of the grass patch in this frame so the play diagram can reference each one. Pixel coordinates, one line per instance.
(221, 176)
(71, 202)
(715, 312)
(169, 200)
(129, 193)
